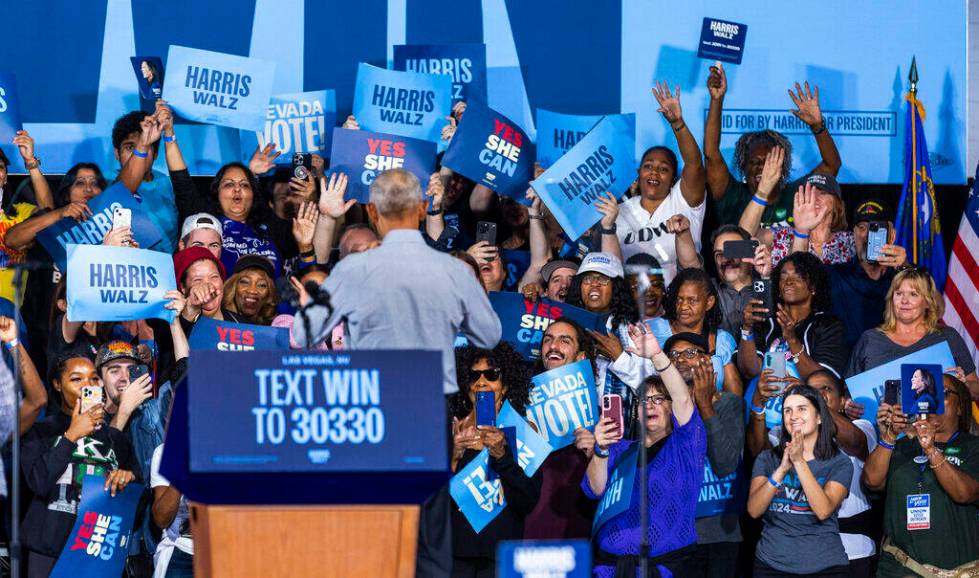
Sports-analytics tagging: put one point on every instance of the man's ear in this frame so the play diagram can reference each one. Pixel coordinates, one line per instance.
(422, 210)
(372, 212)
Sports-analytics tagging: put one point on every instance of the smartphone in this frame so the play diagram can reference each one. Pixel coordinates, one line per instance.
(892, 392)
(91, 397)
(485, 408)
(612, 408)
(302, 165)
(740, 249)
(775, 360)
(762, 289)
(486, 231)
(137, 371)
(876, 238)
(122, 217)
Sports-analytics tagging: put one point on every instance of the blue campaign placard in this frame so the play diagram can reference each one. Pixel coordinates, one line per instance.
(301, 122)
(58, 236)
(604, 160)
(213, 335)
(558, 132)
(563, 400)
(465, 64)
(524, 321)
(491, 150)
(722, 40)
(403, 103)
(118, 283)
(618, 490)
(362, 155)
(285, 411)
(922, 389)
(867, 388)
(149, 76)
(532, 449)
(217, 88)
(9, 108)
(719, 495)
(551, 558)
(477, 491)
(99, 542)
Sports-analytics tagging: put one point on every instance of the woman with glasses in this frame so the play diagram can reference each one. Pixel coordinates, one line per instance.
(237, 199)
(797, 488)
(912, 314)
(503, 372)
(599, 286)
(692, 306)
(931, 482)
(675, 444)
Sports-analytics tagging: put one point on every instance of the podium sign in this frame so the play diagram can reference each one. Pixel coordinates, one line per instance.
(297, 411)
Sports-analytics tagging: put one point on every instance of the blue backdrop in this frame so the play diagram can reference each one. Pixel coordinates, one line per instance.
(858, 53)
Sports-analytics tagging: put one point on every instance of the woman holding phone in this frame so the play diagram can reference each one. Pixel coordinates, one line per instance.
(60, 451)
(675, 446)
(797, 488)
(502, 373)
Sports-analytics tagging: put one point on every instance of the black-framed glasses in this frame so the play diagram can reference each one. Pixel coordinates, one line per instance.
(596, 279)
(491, 374)
(656, 399)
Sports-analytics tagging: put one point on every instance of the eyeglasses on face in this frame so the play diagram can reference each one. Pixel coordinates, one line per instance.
(689, 353)
(656, 399)
(491, 374)
(596, 279)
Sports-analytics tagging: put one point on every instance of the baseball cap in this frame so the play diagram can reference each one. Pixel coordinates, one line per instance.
(825, 183)
(183, 259)
(873, 210)
(553, 265)
(694, 339)
(202, 221)
(604, 263)
(114, 350)
(254, 262)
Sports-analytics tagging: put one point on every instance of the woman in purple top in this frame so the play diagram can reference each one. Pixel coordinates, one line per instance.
(675, 445)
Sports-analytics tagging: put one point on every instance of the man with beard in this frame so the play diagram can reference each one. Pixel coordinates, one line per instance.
(563, 511)
(734, 288)
(720, 504)
(860, 286)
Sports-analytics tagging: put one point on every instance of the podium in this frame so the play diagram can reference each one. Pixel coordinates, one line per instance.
(263, 504)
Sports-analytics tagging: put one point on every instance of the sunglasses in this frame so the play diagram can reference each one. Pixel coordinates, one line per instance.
(491, 374)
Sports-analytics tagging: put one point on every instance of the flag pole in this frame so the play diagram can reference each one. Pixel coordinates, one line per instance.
(913, 101)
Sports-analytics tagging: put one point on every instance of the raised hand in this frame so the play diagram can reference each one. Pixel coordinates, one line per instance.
(177, 302)
(608, 207)
(75, 210)
(669, 105)
(892, 256)
(8, 329)
(449, 130)
(771, 173)
(305, 187)
(762, 261)
(754, 312)
(608, 345)
(304, 224)
(458, 109)
(786, 321)
(607, 432)
(532, 291)
(493, 439)
(806, 215)
(483, 252)
(677, 224)
(796, 448)
(717, 82)
(263, 159)
(136, 393)
(646, 343)
(435, 190)
(704, 383)
(331, 203)
(807, 105)
(83, 424)
(150, 131)
(119, 237)
(351, 123)
(165, 117)
(25, 145)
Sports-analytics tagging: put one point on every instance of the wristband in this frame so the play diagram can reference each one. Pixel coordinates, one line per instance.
(435, 212)
(884, 444)
(600, 452)
(535, 217)
(682, 126)
(757, 410)
(800, 234)
(820, 130)
(610, 231)
(774, 484)
(169, 138)
(12, 344)
(747, 335)
(759, 200)
(665, 367)
(140, 153)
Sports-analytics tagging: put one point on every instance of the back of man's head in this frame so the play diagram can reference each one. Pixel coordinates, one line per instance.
(395, 193)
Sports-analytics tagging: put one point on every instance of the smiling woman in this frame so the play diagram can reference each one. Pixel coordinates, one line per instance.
(250, 291)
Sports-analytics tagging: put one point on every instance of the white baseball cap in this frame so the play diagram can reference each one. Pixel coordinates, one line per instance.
(604, 263)
(202, 221)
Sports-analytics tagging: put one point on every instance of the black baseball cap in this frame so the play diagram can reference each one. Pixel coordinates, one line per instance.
(825, 183)
(255, 262)
(695, 339)
(873, 210)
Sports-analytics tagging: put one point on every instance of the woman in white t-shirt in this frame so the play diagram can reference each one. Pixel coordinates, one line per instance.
(664, 191)
(174, 556)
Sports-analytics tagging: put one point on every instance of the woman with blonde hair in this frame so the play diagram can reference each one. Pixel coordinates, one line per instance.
(250, 291)
(912, 321)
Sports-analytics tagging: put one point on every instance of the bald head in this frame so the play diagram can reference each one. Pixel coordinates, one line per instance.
(356, 240)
